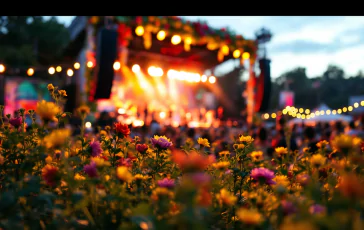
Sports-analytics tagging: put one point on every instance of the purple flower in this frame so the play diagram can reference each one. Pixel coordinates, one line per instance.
(95, 148)
(16, 121)
(127, 162)
(317, 209)
(166, 183)
(91, 170)
(161, 142)
(288, 207)
(264, 175)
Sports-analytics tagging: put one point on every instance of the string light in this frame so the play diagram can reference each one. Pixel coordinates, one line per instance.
(76, 65)
(236, 53)
(161, 35)
(2, 68)
(59, 69)
(139, 31)
(30, 72)
(176, 39)
(51, 70)
(246, 55)
(90, 64)
(70, 72)
(116, 66)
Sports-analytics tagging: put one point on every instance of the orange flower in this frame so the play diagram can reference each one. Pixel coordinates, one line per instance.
(193, 161)
(50, 174)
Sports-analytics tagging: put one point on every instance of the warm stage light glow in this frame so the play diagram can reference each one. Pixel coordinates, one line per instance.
(212, 79)
(76, 65)
(161, 35)
(116, 66)
(135, 68)
(59, 69)
(176, 39)
(236, 53)
(139, 31)
(203, 78)
(162, 115)
(155, 71)
(70, 72)
(90, 64)
(51, 70)
(30, 72)
(121, 111)
(2, 68)
(246, 55)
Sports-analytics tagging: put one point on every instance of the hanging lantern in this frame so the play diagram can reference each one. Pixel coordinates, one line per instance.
(225, 50)
(147, 40)
(220, 56)
(187, 44)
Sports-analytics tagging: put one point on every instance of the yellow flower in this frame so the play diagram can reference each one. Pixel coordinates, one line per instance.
(322, 144)
(306, 149)
(100, 162)
(107, 177)
(221, 165)
(345, 142)
(224, 153)
(140, 177)
(226, 198)
(50, 87)
(123, 174)
(249, 216)
(62, 92)
(203, 142)
(47, 110)
(79, 177)
(103, 133)
(247, 139)
(257, 155)
(281, 180)
(157, 137)
(161, 192)
(83, 110)
(318, 160)
(48, 159)
(239, 146)
(57, 138)
(302, 225)
(2, 160)
(281, 151)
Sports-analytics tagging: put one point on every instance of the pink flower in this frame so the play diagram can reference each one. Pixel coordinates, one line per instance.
(200, 179)
(288, 207)
(166, 183)
(317, 209)
(16, 121)
(127, 162)
(91, 170)
(263, 175)
(96, 149)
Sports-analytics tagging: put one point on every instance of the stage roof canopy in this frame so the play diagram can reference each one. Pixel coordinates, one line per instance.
(151, 37)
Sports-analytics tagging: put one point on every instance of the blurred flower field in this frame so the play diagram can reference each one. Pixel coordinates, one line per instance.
(50, 180)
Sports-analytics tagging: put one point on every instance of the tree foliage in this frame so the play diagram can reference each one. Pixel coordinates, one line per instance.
(31, 40)
(333, 87)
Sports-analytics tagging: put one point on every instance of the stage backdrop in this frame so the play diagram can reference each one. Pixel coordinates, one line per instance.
(24, 93)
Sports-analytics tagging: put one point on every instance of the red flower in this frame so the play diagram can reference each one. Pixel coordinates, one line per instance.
(142, 148)
(122, 129)
(50, 175)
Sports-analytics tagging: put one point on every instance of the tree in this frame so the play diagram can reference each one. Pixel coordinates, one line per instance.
(31, 40)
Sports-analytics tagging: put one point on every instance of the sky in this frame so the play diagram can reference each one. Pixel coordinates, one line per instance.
(312, 42)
